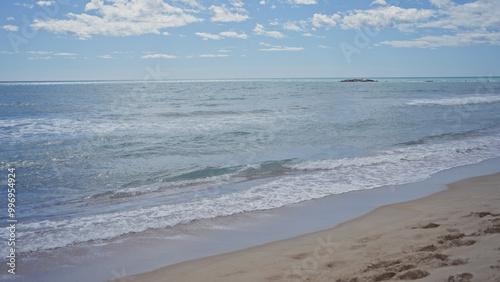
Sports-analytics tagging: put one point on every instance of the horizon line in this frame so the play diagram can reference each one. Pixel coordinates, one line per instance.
(248, 78)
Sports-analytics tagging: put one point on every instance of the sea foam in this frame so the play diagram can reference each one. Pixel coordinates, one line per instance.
(312, 180)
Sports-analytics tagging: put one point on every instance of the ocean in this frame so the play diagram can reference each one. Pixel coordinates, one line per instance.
(96, 161)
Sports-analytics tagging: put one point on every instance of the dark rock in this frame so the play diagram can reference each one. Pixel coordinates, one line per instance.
(358, 80)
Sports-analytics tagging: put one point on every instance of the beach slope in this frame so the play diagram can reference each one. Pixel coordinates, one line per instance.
(453, 235)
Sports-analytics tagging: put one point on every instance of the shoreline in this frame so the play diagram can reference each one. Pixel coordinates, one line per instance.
(140, 253)
(452, 234)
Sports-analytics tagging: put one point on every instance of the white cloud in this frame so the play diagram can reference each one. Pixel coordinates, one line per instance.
(166, 33)
(224, 34)
(279, 48)
(472, 23)
(377, 18)
(262, 2)
(10, 27)
(234, 14)
(292, 26)
(29, 6)
(106, 57)
(384, 17)
(45, 3)
(320, 20)
(260, 30)
(40, 53)
(324, 47)
(232, 34)
(207, 36)
(66, 54)
(441, 3)
(304, 2)
(479, 14)
(237, 3)
(119, 18)
(456, 40)
(213, 56)
(469, 24)
(158, 56)
(275, 34)
(40, 58)
(379, 2)
(192, 3)
(10, 18)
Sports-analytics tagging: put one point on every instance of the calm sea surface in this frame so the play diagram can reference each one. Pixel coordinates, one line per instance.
(100, 160)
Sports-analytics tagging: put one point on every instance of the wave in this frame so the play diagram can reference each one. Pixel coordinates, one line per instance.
(197, 181)
(17, 104)
(81, 82)
(216, 113)
(37, 127)
(300, 181)
(476, 99)
(431, 138)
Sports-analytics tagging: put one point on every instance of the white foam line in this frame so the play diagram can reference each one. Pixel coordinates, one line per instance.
(328, 177)
(456, 101)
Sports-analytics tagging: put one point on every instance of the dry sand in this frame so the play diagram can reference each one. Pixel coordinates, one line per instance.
(452, 235)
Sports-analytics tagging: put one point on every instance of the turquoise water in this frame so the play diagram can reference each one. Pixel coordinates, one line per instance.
(102, 159)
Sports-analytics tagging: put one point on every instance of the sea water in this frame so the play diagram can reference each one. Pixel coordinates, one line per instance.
(99, 160)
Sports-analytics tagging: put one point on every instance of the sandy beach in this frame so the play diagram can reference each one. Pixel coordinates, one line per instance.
(453, 235)
(237, 140)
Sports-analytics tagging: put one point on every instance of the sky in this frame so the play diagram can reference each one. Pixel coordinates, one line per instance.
(196, 39)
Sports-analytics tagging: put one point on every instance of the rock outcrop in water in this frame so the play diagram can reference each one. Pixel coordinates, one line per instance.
(358, 80)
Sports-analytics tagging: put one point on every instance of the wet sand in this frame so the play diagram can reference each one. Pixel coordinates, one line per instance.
(453, 235)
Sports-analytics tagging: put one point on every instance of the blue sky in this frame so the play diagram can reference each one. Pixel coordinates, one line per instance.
(195, 39)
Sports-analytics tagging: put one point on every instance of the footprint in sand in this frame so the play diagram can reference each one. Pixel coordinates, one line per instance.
(483, 214)
(455, 235)
(427, 226)
(385, 276)
(413, 274)
(429, 248)
(431, 225)
(464, 277)
(336, 263)
(454, 240)
(357, 247)
(382, 264)
(300, 256)
(494, 229)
